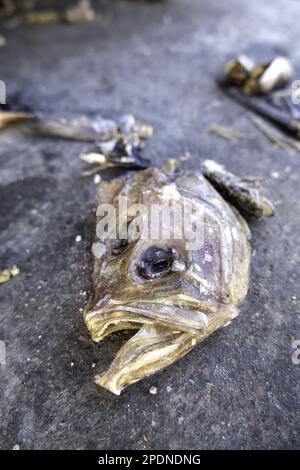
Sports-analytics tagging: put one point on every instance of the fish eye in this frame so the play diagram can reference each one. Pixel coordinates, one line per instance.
(156, 262)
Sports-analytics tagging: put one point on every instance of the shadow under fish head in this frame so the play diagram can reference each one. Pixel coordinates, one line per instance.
(174, 277)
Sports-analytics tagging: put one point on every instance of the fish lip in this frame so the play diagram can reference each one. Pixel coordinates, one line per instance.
(115, 316)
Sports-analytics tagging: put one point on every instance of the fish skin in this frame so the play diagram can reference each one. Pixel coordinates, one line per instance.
(177, 311)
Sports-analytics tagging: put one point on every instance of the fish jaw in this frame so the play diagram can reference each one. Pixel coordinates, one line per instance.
(177, 313)
(153, 348)
(115, 316)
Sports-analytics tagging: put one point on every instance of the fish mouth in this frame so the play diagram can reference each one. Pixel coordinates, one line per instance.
(115, 316)
(149, 350)
(166, 333)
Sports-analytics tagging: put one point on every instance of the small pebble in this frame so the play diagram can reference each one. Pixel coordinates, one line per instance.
(78, 238)
(275, 175)
(16, 447)
(93, 365)
(97, 179)
(153, 390)
(14, 271)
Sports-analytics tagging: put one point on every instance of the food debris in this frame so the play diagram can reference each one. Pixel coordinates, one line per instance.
(79, 12)
(153, 390)
(78, 238)
(123, 148)
(8, 274)
(11, 117)
(174, 163)
(275, 136)
(79, 128)
(228, 133)
(16, 447)
(93, 157)
(42, 17)
(242, 192)
(110, 136)
(118, 144)
(255, 87)
(7, 7)
(256, 78)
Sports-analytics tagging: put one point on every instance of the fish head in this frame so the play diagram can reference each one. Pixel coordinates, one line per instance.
(158, 270)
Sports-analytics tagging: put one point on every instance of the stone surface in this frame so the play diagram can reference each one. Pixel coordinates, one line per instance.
(240, 388)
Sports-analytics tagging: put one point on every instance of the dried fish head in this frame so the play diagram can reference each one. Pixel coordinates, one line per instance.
(175, 293)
